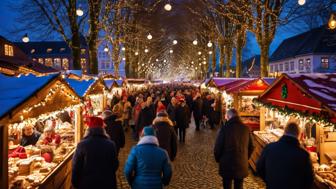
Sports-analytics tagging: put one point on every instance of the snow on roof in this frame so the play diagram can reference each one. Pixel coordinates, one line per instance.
(80, 87)
(15, 90)
(227, 82)
(320, 86)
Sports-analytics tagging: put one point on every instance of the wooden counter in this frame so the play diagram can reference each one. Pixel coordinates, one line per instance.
(60, 177)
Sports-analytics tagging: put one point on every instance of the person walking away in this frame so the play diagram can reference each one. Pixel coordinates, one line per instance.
(95, 161)
(171, 110)
(166, 134)
(113, 127)
(182, 121)
(285, 164)
(146, 116)
(127, 109)
(197, 110)
(148, 165)
(233, 148)
(136, 112)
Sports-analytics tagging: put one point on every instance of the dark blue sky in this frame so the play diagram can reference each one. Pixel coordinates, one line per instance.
(8, 23)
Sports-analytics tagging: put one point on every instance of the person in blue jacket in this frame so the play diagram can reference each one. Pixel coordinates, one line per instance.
(148, 166)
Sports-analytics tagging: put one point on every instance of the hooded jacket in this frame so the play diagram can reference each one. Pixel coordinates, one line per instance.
(148, 166)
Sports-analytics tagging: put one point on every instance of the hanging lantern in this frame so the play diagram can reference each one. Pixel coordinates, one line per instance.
(332, 22)
(25, 38)
(106, 49)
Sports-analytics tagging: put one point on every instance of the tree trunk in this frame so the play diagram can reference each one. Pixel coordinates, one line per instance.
(222, 59)
(76, 52)
(264, 56)
(239, 53)
(94, 10)
(213, 60)
(228, 56)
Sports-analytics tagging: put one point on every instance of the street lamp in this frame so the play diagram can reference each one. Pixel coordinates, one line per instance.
(209, 44)
(25, 38)
(79, 11)
(195, 42)
(301, 2)
(175, 42)
(332, 22)
(106, 49)
(149, 36)
(168, 7)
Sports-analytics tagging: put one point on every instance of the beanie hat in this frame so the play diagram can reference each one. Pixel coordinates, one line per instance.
(161, 108)
(162, 114)
(95, 122)
(148, 131)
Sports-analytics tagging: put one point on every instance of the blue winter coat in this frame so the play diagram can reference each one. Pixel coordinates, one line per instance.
(148, 166)
(95, 162)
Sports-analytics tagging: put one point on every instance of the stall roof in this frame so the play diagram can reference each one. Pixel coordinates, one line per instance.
(15, 90)
(319, 87)
(119, 82)
(226, 83)
(108, 83)
(81, 87)
(255, 85)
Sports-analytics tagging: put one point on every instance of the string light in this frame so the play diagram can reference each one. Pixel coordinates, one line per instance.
(146, 50)
(149, 36)
(209, 44)
(332, 22)
(175, 42)
(123, 49)
(168, 7)
(171, 51)
(195, 42)
(199, 52)
(106, 49)
(136, 53)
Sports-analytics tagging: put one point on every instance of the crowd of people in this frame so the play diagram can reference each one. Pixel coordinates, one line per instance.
(158, 118)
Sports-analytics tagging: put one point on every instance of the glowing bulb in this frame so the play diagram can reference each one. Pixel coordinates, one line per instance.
(301, 2)
(157, 60)
(175, 42)
(204, 62)
(209, 44)
(210, 52)
(149, 36)
(124, 58)
(164, 60)
(199, 52)
(79, 12)
(106, 49)
(171, 51)
(168, 7)
(25, 38)
(146, 50)
(123, 49)
(195, 42)
(136, 53)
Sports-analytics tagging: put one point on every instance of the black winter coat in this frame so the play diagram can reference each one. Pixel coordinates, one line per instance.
(233, 148)
(166, 135)
(116, 132)
(171, 110)
(95, 162)
(182, 116)
(285, 164)
(146, 117)
(197, 108)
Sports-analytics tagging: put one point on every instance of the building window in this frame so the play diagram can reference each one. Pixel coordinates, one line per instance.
(286, 66)
(62, 49)
(40, 60)
(308, 64)
(292, 66)
(65, 63)
(9, 50)
(49, 50)
(280, 67)
(271, 68)
(83, 51)
(276, 69)
(48, 62)
(301, 65)
(325, 62)
(102, 65)
(57, 63)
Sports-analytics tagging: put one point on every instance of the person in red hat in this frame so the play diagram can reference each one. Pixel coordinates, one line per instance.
(95, 161)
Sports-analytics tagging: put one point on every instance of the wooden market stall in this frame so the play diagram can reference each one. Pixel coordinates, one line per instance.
(136, 84)
(46, 104)
(309, 100)
(93, 93)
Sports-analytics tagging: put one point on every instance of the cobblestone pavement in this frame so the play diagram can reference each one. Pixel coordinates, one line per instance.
(194, 167)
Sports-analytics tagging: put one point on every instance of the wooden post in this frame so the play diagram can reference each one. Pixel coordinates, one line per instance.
(4, 156)
(262, 118)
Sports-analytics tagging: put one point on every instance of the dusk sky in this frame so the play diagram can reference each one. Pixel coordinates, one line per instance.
(8, 23)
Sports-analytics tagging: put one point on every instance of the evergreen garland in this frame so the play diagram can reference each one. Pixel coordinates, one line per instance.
(290, 112)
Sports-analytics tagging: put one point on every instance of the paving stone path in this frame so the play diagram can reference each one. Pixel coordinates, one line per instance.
(194, 167)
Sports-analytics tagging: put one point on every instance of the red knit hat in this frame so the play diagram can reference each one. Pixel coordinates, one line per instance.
(95, 122)
(161, 107)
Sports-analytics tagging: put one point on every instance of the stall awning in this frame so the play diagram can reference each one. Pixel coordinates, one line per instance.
(81, 87)
(255, 86)
(15, 90)
(108, 83)
(308, 93)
